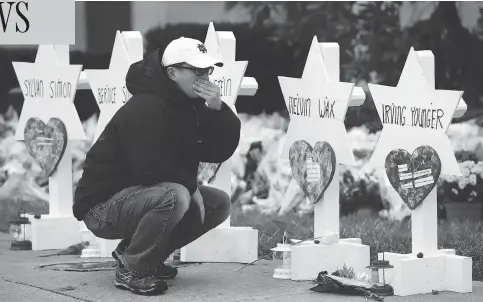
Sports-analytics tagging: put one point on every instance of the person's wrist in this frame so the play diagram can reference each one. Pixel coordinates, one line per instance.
(215, 105)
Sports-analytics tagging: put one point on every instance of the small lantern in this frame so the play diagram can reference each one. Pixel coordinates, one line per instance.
(283, 253)
(380, 288)
(18, 230)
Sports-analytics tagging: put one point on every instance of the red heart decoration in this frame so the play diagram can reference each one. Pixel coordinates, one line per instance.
(313, 169)
(46, 143)
(413, 176)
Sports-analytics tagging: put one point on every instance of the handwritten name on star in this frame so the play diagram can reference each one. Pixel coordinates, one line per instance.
(39, 88)
(108, 95)
(224, 85)
(302, 106)
(413, 116)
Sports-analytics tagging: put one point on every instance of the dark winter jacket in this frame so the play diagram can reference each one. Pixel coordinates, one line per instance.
(159, 135)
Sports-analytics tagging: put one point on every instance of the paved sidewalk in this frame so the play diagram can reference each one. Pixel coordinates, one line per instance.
(21, 279)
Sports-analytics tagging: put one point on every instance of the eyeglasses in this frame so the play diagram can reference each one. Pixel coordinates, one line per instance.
(198, 71)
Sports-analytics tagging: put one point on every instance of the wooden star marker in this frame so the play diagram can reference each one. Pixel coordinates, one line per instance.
(317, 104)
(230, 76)
(317, 107)
(415, 114)
(109, 86)
(222, 45)
(414, 148)
(110, 92)
(225, 243)
(49, 88)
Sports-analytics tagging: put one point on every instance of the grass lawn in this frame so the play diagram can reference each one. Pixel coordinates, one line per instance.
(381, 235)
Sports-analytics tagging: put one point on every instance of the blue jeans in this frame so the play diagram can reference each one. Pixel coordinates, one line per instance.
(154, 221)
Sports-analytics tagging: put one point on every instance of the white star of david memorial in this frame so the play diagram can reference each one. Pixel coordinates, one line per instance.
(109, 85)
(414, 114)
(317, 107)
(49, 89)
(229, 77)
(222, 45)
(225, 243)
(317, 104)
(128, 48)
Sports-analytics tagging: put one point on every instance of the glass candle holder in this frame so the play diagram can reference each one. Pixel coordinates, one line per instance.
(378, 277)
(18, 231)
(283, 255)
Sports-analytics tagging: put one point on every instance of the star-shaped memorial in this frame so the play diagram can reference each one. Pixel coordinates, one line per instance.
(109, 85)
(317, 107)
(414, 114)
(230, 76)
(49, 89)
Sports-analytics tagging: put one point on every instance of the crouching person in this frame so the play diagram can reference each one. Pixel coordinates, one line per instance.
(139, 182)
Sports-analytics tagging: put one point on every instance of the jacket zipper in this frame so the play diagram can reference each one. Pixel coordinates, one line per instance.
(197, 123)
(197, 117)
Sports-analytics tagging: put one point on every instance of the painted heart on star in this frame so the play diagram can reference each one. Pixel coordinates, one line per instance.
(46, 143)
(313, 169)
(413, 176)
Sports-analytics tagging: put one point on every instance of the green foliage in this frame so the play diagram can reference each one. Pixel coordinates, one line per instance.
(345, 272)
(466, 237)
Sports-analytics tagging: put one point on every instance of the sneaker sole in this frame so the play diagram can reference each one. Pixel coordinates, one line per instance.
(148, 292)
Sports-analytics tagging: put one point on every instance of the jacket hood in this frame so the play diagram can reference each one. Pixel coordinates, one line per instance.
(148, 76)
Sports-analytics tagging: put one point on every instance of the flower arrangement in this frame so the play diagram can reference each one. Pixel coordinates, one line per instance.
(467, 187)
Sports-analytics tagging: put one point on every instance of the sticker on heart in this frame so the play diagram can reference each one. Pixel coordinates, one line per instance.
(46, 143)
(313, 169)
(413, 176)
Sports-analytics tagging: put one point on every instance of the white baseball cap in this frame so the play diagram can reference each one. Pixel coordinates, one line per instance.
(190, 51)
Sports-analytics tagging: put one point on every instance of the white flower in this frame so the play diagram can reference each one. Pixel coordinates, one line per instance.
(462, 183)
(450, 178)
(465, 172)
(476, 169)
(472, 179)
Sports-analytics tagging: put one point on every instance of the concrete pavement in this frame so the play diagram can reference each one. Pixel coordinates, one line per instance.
(22, 279)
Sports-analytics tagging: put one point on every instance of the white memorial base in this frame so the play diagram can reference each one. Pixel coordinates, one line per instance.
(309, 258)
(442, 271)
(223, 244)
(101, 249)
(53, 233)
(98, 247)
(107, 246)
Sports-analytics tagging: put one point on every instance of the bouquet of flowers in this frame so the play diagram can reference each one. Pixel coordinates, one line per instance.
(468, 187)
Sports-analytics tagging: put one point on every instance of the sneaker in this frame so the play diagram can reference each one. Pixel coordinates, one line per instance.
(163, 271)
(117, 254)
(141, 285)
